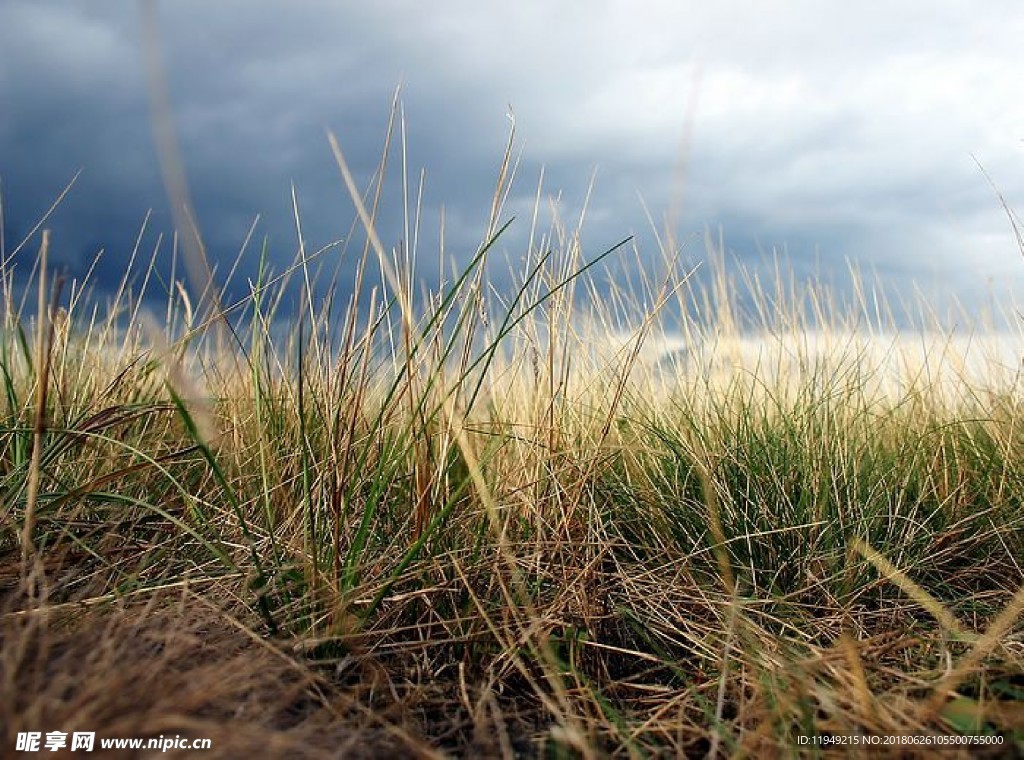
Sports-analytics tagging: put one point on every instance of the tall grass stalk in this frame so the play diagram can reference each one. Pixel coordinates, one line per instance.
(700, 510)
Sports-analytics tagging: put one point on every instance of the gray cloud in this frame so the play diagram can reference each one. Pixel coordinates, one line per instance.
(833, 132)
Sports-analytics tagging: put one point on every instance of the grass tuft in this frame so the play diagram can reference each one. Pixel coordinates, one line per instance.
(546, 522)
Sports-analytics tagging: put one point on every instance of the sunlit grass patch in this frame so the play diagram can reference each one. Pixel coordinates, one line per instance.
(528, 522)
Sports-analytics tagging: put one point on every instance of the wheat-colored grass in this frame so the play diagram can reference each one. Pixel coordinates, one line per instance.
(551, 522)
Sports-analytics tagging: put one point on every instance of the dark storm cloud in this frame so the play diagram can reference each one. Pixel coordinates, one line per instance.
(830, 136)
(252, 98)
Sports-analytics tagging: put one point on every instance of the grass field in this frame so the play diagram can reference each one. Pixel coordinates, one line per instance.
(555, 523)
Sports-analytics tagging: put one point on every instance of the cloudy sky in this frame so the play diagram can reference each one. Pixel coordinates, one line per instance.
(832, 131)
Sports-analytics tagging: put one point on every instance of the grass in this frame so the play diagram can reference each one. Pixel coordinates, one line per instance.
(478, 524)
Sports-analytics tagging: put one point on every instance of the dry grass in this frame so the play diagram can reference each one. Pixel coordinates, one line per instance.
(509, 527)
